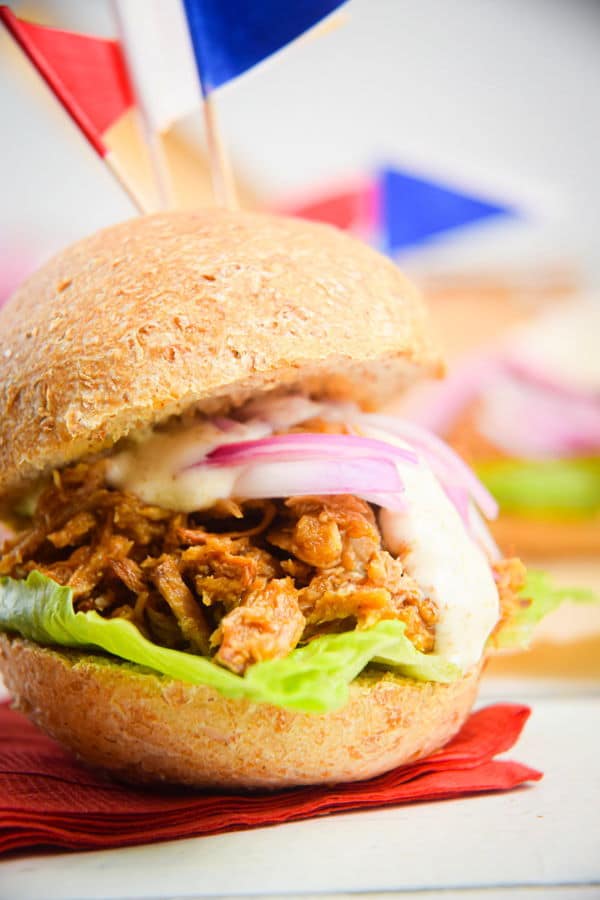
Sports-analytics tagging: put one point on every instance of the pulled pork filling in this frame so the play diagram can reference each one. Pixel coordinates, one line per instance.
(241, 582)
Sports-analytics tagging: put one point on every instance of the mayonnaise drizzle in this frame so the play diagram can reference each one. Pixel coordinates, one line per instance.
(445, 561)
(158, 469)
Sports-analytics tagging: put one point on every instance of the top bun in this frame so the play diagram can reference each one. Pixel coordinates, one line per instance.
(195, 309)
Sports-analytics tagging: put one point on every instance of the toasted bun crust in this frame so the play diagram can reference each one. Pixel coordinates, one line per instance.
(159, 314)
(147, 728)
(547, 538)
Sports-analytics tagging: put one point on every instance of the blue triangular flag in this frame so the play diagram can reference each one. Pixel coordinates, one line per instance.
(413, 210)
(231, 36)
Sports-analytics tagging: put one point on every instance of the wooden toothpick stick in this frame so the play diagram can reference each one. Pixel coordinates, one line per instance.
(223, 182)
(142, 203)
(161, 170)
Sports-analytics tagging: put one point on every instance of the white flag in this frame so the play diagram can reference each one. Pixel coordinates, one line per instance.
(158, 47)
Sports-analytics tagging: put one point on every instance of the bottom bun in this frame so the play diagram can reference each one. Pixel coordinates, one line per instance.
(529, 537)
(146, 728)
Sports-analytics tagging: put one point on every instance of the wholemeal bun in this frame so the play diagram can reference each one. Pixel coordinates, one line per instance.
(169, 312)
(144, 727)
(537, 538)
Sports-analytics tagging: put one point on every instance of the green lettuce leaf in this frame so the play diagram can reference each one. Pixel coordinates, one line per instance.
(545, 598)
(551, 487)
(313, 678)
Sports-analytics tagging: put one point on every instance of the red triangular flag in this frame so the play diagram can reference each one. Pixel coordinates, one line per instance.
(87, 74)
(352, 207)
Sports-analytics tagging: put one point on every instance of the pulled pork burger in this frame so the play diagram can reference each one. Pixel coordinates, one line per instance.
(524, 412)
(224, 570)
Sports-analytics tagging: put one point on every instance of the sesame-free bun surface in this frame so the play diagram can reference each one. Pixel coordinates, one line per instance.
(147, 728)
(162, 313)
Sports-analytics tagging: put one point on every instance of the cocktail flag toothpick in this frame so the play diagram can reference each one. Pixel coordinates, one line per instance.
(88, 75)
(157, 45)
(180, 51)
(229, 37)
(175, 54)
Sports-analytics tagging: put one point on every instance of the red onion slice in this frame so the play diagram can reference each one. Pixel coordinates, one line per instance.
(444, 462)
(288, 465)
(291, 465)
(437, 406)
(532, 420)
(295, 478)
(530, 373)
(307, 446)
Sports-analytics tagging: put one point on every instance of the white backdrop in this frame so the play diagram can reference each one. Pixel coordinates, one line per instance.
(503, 94)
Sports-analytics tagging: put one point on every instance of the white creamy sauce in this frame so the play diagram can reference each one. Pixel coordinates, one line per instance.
(450, 567)
(445, 561)
(159, 469)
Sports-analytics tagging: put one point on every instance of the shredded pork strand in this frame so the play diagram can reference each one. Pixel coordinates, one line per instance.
(242, 582)
(265, 625)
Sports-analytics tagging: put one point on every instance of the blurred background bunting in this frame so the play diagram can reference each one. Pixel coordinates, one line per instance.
(396, 210)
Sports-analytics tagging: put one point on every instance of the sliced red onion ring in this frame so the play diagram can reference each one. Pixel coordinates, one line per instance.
(307, 446)
(533, 420)
(437, 406)
(444, 462)
(527, 370)
(290, 465)
(543, 418)
(364, 478)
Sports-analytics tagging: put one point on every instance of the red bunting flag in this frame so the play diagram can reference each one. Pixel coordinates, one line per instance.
(397, 210)
(89, 76)
(352, 207)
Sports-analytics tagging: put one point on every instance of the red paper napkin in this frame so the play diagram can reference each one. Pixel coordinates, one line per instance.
(49, 800)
